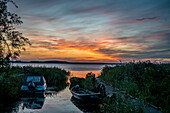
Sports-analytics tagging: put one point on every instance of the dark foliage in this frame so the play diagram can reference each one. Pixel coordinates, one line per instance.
(144, 80)
(11, 40)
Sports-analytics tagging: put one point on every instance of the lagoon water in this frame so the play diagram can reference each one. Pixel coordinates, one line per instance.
(57, 102)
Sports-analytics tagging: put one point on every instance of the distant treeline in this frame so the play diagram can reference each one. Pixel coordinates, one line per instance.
(65, 62)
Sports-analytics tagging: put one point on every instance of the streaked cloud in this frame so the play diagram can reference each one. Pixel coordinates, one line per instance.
(96, 30)
(146, 19)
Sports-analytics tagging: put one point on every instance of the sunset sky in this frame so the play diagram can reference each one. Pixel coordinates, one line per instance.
(95, 30)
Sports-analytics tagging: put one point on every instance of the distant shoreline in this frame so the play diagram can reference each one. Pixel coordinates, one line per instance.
(65, 62)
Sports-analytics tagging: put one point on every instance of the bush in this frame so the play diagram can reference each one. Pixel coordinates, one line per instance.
(10, 87)
(90, 84)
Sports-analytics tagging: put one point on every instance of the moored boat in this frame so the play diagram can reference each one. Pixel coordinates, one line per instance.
(85, 95)
(34, 84)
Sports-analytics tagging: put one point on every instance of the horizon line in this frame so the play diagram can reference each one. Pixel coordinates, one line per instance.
(66, 62)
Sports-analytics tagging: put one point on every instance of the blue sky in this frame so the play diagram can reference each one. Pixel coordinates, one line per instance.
(95, 30)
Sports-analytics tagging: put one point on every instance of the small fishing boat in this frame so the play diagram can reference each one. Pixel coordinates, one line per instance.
(34, 84)
(85, 95)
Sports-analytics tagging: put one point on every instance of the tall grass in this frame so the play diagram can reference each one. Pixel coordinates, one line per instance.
(145, 80)
(54, 76)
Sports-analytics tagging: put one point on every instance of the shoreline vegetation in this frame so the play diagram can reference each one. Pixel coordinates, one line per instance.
(144, 81)
(12, 77)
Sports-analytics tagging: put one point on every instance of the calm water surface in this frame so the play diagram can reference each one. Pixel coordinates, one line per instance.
(56, 102)
(77, 70)
(53, 103)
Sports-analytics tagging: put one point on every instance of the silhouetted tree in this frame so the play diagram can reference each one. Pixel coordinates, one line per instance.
(11, 40)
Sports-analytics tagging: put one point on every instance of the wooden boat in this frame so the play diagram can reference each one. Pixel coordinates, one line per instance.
(85, 95)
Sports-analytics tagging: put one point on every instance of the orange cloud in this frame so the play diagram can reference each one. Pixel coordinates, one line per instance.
(76, 50)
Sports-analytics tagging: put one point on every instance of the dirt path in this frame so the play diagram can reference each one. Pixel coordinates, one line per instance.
(109, 89)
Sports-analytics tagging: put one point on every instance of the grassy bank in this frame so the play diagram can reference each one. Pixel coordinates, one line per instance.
(143, 80)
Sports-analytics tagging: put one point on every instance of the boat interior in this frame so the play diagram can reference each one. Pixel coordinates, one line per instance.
(82, 91)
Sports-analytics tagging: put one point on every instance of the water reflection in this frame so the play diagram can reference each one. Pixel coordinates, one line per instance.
(85, 107)
(33, 102)
(82, 74)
